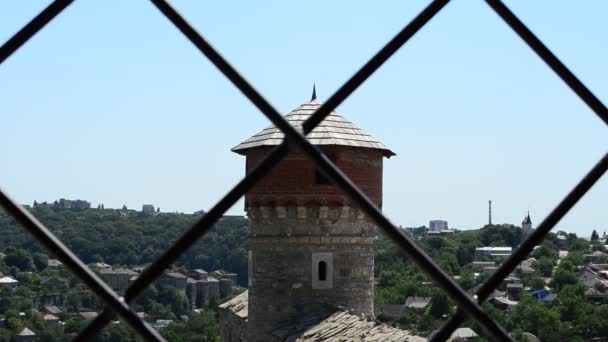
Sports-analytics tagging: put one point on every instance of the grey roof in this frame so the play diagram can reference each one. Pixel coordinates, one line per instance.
(26, 332)
(175, 275)
(50, 317)
(53, 309)
(417, 302)
(463, 333)
(392, 310)
(118, 271)
(54, 263)
(526, 269)
(595, 293)
(8, 280)
(334, 130)
(88, 314)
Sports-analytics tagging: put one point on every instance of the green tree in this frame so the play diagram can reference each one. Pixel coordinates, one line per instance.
(440, 305)
(532, 316)
(545, 266)
(536, 283)
(41, 261)
(563, 277)
(572, 302)
(201, 327)
(467, 279)
(19, 258)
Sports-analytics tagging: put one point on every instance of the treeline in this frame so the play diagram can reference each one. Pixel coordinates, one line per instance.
(132, 238)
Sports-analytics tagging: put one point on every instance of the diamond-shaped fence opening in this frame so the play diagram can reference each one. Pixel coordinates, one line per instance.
(468, 306)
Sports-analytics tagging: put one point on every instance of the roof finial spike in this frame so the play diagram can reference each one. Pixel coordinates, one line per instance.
(314, 92)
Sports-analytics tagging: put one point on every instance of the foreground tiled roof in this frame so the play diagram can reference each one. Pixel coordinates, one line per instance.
(334, 130)
(327, 326)
(239, 305)
(342, 326)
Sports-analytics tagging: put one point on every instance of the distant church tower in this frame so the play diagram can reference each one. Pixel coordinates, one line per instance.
(312, 249)
(526, 224)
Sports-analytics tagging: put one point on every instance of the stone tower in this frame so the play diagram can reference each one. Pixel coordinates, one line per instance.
(526, 225)
(312, 249)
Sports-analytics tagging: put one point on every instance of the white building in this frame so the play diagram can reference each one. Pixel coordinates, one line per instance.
(494, 252)
(438, 225)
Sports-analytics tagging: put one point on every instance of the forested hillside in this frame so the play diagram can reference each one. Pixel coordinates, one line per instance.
(133, 238)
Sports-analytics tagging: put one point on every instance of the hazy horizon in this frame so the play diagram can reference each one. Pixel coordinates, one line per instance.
(111, 104)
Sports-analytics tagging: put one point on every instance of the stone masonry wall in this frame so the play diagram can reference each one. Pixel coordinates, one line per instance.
(232, 327)
(283, 242)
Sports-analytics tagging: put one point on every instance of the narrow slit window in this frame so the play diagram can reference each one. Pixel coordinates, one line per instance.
(322, 269)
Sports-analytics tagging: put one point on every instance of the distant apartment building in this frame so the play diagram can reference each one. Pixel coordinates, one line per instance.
(148, 209)
(493, 252)
(439, 227)
(202, 289)
(221, 274)
(118, 279)
(173, 279)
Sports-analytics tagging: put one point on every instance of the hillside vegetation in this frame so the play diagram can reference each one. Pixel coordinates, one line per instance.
(132, 238)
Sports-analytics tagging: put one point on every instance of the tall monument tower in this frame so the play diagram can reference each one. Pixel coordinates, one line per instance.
(490, 212)
(312, 249)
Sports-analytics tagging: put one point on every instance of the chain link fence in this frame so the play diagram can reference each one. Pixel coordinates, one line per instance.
(469, 306)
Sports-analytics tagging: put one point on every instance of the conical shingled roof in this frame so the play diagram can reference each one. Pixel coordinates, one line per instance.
(334, 130)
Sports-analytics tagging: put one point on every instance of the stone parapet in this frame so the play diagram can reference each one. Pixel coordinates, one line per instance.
(310, 221)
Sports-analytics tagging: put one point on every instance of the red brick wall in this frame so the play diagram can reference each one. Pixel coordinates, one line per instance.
(292, 181)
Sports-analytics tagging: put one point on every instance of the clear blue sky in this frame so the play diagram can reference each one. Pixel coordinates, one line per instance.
(113, 105)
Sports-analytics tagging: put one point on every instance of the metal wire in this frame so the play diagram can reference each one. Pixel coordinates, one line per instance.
(33, 27)
(200, 228)
(466, 304)
(548, 57)
(35, 227)
(71, 261)
(570, 200)
(528, 245)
